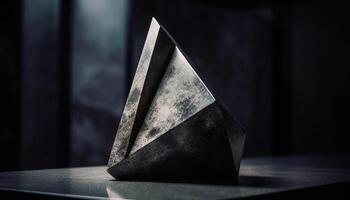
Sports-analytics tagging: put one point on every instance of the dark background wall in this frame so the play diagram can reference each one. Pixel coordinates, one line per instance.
(66, 67)
(320, 71)
(9, 84)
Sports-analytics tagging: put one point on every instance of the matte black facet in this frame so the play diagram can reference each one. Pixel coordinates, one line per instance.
(196, 150)
(173, 128)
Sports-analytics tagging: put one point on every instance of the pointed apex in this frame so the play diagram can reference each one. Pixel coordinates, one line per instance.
(154, 20)
(171, 121)
(154, 24)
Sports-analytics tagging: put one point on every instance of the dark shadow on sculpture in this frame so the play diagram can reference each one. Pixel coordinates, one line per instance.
(173, 128)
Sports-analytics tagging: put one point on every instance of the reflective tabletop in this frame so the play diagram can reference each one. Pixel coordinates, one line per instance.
(258, 176)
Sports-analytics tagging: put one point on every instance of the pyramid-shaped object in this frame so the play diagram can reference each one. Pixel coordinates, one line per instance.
(173, 128)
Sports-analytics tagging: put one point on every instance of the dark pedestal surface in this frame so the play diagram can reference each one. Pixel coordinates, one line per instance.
(260, 178)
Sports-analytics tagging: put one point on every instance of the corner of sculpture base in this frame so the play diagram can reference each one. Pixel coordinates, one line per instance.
(188, 153)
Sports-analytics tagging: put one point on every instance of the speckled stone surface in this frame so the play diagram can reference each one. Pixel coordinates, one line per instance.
(173, 127)
(126, 124)
(180, 95)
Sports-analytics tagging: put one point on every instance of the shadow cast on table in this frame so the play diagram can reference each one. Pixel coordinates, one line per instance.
(244, 181)
(264, 181)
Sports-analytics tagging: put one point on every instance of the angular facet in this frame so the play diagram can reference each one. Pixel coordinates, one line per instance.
(173, 128)
(180, 95)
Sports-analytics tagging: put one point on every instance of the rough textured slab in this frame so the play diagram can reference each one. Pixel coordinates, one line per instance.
(180, 95)
(121, 142)
(195, 151)
(159, 120)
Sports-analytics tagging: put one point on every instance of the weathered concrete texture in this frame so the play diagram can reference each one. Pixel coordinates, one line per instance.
(197, 150)
(173, 128)
(180, 95)
(130, 110)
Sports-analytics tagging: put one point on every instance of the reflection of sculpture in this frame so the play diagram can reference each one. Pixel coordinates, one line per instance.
(172, 127)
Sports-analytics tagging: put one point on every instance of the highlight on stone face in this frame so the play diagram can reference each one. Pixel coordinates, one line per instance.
(173, 128)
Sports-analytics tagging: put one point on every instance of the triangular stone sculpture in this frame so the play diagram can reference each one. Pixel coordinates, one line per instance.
(173, 128)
